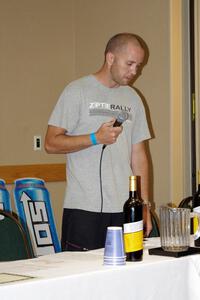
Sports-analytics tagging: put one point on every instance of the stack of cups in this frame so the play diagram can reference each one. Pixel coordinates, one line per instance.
(114, 247)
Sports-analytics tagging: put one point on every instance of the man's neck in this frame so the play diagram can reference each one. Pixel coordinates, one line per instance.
(103, 76)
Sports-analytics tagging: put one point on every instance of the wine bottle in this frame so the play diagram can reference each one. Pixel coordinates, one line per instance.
(196, 208)
(133, 223)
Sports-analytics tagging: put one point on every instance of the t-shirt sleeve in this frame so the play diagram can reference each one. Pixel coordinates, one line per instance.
(140, 129)
(66, 111)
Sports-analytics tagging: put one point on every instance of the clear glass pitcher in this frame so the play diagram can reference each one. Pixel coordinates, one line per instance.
(174, 228)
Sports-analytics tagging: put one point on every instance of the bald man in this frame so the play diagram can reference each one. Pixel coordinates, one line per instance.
(99, 156)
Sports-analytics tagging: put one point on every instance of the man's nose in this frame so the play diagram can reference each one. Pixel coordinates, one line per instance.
(134, 70)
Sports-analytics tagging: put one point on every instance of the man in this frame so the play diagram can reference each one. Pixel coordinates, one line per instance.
(81, 123)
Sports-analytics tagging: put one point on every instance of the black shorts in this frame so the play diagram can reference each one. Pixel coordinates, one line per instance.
(85, 230)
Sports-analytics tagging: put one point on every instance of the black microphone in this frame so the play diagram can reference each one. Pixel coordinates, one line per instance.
(121, 118)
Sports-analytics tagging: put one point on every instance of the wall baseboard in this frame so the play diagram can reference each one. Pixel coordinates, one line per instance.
(47, 172)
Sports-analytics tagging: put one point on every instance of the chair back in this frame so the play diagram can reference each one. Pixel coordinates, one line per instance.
(13, 240)
(155, 230)
(186, 202)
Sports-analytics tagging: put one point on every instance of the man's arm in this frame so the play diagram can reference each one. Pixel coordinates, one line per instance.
(140, 167)
(58, 141)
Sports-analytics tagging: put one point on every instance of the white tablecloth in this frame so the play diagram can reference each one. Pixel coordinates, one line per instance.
(82, 275)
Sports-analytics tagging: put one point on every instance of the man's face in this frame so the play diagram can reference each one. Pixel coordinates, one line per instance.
(125, 64)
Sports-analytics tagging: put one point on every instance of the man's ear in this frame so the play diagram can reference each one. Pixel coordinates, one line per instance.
(110, 58)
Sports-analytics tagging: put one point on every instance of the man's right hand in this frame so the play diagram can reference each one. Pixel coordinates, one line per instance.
(58, 141)
(107, 134)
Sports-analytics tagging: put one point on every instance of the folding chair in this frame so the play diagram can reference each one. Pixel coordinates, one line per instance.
(155, 231)
(13, 239)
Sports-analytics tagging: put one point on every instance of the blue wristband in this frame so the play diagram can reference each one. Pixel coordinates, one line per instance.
(93, 138)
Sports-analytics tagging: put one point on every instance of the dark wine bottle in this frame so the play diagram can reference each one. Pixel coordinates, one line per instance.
(133, 223)
(196, 208)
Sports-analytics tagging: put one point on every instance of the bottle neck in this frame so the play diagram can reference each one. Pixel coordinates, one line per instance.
(133, 194)
(198, 182)
(133, 187)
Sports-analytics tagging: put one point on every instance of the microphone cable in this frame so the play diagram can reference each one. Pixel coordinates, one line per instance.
(100, 177)
(123, 116)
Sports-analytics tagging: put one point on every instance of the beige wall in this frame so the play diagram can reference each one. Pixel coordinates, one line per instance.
(36, 61)
(46, 43)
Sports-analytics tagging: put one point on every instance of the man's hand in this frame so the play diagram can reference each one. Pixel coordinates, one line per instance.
(107, 134)
(147, 221)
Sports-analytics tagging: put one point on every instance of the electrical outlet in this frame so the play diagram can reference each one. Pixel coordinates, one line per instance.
(37, 142)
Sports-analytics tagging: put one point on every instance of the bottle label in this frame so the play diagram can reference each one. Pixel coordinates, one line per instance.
(196, 224)
(133, 236)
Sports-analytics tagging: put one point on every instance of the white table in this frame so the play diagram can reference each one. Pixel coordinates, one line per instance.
(82, 275)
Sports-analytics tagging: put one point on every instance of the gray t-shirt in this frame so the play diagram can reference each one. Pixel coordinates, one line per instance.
(81, 109)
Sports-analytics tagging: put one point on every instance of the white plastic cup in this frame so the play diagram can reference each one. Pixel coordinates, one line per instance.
(114, 247)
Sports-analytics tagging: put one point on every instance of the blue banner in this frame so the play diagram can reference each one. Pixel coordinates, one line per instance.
(4, 197)
(33, 205)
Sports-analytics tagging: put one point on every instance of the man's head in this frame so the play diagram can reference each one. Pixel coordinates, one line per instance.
(124, 55)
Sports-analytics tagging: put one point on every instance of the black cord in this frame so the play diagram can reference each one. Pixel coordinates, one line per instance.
(100, 177)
